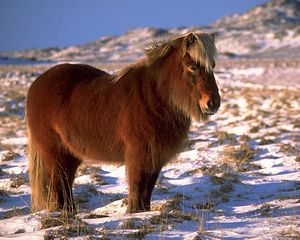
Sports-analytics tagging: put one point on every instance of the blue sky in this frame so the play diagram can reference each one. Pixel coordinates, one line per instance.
(49, 23)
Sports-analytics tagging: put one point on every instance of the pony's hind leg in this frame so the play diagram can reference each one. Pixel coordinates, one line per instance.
(67, 167)
(59, 168)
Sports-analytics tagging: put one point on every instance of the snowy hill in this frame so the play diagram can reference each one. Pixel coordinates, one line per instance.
(273, 14)
(271, 30)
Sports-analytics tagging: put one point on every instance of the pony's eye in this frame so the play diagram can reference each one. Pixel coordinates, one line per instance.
(193, 68)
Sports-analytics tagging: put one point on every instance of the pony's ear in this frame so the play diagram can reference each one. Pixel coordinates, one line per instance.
(212, 35)
(190, 39)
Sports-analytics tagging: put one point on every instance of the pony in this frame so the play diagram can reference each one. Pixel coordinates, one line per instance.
(139, 117)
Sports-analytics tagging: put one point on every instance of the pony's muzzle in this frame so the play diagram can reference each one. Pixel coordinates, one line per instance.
(212, 106)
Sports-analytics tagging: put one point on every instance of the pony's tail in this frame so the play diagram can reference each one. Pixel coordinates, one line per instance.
(39, 179)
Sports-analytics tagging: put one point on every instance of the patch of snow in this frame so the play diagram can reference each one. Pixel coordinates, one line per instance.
(15, 141)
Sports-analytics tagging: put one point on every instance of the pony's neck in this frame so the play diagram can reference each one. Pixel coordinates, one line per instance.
(159, 79)
(171, 82)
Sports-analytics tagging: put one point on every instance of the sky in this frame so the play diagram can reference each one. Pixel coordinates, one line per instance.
(57, 23)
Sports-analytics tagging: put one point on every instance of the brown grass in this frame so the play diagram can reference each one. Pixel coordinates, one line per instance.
(10, 155)
(84, 197)
(290, 232)
(16, 212)
(142, 228)
(240, 158)
(71, 226)
(19, 181)
(289, 149)
(266, 141)
(224, 138)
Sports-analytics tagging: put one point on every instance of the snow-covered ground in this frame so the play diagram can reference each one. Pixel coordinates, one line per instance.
(237, 179)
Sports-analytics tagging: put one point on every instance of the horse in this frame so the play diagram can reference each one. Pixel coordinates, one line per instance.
(138, 117)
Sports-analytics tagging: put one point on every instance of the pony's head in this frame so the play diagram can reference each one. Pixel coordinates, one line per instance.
(197, 72)
(190, 63)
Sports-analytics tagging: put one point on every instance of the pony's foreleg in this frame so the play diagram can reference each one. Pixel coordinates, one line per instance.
(141, 185)
(141, 181)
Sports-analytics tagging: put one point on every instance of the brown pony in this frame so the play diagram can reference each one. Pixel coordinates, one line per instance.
(139, 117)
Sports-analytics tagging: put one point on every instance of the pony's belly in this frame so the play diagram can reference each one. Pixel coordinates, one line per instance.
(91, 146)
(100, 157)
(92, 152)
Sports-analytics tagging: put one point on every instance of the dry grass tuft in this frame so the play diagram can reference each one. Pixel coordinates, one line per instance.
(70, 226)
(162, 188)
(289, 149)
(3, 193)
(266, 209)
(16, 212)
(290, 232)
(204, 206)
(10, 155)
(93, 171)
(173, 204)
(254, 129)
(19, 181)
(3, 196)
(266, 141)
(84, 196)
(19, 231)
(142, 228)
(171, 213)
(49, 222)
(95, 175)
(245, 138)
(240, 158)
(2, 173)
(224, 138)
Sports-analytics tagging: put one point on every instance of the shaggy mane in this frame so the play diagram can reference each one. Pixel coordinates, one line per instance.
(200, 47)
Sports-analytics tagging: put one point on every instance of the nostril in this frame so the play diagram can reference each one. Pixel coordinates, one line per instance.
(210, 104)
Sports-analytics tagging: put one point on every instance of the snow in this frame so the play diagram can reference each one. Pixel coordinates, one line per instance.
(248, 72)
(15, 141)
(204, 193)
